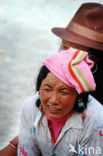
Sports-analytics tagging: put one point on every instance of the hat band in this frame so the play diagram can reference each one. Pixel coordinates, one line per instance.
(86, 32)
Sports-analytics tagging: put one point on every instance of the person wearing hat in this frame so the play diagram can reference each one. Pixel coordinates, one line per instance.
(62, 118)
(85, 32)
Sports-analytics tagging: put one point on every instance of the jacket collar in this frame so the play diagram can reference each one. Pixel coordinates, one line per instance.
(75, 121)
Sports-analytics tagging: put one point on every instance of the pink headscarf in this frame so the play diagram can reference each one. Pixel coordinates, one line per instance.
(72, 67)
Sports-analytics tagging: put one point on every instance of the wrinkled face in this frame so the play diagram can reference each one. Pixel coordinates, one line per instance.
(57, 98)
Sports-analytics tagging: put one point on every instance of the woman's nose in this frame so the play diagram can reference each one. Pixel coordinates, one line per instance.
(54, 99)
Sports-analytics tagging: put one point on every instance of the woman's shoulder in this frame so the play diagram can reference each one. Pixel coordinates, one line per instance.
(94, 107)
(94, 112)
(29, 106)
(92, 125)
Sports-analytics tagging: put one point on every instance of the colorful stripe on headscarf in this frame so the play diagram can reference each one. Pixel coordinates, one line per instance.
(76, 73)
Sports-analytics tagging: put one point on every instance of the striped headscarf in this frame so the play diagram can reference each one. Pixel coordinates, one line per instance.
(73, 68)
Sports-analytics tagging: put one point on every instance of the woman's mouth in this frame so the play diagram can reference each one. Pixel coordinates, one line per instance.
(53, 109)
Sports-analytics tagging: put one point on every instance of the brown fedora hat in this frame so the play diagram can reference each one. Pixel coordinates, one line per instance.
(85, 28)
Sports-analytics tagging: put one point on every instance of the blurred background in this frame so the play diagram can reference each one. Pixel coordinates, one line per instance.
(25, 41)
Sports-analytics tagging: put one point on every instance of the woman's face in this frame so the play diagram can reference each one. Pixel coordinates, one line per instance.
(57, 98)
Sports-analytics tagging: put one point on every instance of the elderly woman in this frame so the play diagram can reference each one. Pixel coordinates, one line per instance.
(62, 118)
(84, 32)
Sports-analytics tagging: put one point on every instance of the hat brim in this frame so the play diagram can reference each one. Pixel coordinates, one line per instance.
(70, 36)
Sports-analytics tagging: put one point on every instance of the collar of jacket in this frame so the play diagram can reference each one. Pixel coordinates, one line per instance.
(75, 121)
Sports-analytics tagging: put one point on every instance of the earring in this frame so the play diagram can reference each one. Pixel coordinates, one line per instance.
(39, 97)
(80, 103)
(40, 106)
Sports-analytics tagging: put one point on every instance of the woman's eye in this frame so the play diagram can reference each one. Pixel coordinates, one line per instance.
(47, 89)
(65, 93)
